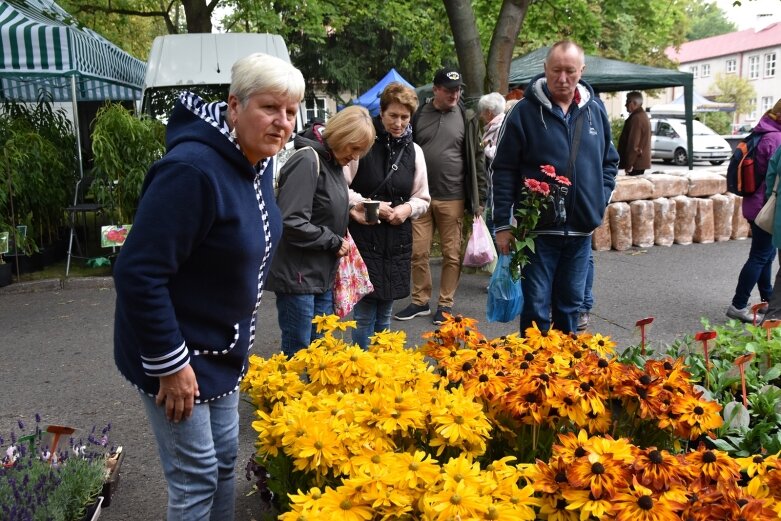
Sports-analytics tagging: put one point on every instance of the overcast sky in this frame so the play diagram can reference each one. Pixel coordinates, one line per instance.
(745, 16)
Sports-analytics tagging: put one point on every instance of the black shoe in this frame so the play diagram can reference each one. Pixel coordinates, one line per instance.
(439, 317)
(412, 311)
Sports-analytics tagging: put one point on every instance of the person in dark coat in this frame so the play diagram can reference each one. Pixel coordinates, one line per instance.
(634, 144)
(393, 172)
(314, 204)
(191, 274)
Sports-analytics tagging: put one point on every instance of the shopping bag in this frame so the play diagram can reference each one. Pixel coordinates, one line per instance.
(505, 298)
(352, 282)
(479, 249)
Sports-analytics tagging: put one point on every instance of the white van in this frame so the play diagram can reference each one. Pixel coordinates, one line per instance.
(199, 62)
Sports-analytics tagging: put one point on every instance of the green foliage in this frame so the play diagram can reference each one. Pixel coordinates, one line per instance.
(720, 122)
(707, 19)
(731, 88)
(637, 31)
(124, 147)
(39, 170)
(616, 126)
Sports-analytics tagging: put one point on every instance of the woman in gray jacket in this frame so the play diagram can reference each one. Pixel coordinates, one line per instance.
(314, 203)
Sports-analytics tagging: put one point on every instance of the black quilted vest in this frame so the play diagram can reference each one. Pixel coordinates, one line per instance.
(386, 249)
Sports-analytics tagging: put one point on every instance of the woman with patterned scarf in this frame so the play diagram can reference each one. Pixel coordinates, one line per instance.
(393, 172)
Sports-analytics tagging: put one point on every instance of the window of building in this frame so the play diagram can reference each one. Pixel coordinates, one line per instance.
(693, 70)
(705, 70)
(753, 67)
(730, 66)
(767, 102)
(770, 65)
(752, 115)
(315, 108)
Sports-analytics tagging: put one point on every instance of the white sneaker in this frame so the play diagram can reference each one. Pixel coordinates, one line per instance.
(744, 315)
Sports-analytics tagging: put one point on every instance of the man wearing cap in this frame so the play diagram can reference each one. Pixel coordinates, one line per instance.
(449, 135)
(559, 122)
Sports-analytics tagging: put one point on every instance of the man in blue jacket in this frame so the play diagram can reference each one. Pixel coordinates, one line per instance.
(560, 122)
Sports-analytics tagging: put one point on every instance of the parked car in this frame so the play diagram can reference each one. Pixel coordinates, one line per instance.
(668, 142)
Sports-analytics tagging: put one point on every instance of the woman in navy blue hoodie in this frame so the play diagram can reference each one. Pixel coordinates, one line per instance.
(191, 273)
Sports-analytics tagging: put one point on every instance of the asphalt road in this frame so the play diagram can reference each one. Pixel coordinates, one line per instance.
(56, 350)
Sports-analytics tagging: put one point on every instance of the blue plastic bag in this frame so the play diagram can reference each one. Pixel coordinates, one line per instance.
(505, 298)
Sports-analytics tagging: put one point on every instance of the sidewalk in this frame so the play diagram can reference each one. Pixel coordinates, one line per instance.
(56, 350)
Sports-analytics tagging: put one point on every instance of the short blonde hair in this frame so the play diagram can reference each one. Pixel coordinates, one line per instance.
(261, 73)
(350, 126)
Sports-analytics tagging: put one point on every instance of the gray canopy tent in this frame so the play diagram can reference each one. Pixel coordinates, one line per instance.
(44, 51)
(606, 75)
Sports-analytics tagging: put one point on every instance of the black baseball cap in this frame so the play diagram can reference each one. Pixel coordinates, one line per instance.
(449, 78)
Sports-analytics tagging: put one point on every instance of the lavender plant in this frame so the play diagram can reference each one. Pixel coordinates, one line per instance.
(39, 482)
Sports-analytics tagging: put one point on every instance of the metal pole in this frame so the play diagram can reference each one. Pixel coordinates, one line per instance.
(81, 169)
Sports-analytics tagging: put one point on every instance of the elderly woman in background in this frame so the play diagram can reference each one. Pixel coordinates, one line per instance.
(393, 172)
(491, 108)
(190, 277)
(314, 203)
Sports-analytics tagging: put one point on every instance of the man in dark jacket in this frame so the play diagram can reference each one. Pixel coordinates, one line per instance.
(634, 145)
(559, 113)
(449, 135)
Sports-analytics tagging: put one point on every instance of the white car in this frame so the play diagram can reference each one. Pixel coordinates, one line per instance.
(668, 142)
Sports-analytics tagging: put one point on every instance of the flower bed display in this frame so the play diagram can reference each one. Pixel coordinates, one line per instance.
(550, 426)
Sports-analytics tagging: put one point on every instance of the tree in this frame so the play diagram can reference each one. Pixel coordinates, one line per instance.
(608, 28)
(708, 19)
(731, 88)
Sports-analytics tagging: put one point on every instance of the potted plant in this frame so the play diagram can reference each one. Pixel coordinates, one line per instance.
(39, 172)
(124, 147)
(48, 472)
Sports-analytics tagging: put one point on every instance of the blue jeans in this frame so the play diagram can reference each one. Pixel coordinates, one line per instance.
(295, 313)
(198, 456)
(372, 316)
(588, 294)
(757, 271)
(554, 282)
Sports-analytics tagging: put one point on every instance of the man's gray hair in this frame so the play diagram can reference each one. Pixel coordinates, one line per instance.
(565, 45)
(636, 97)
(263, 73)
(492, 102)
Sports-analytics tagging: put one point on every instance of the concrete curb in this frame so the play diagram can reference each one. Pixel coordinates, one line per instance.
(58, 285)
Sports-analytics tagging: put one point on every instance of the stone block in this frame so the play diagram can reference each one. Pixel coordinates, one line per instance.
(723, 209)
(632, 188)
(642, 223)
(705, 184)
(703, 221)
(600, 239)
(685, 212)
(666, 185)
(740, 227)
(620, 218)
(664, 221)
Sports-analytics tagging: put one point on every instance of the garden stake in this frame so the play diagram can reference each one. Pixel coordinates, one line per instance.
(58, 431)
(755, 309)
(768, 325)
(704, 336)
(641, 324)
(739, 361)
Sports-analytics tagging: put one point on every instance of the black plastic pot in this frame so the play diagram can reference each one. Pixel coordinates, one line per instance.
(6, 269)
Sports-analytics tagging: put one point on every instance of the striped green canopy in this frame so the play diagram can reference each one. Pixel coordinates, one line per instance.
(42, 47)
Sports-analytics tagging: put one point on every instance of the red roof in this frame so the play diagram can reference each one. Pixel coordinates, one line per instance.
(724, 44)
